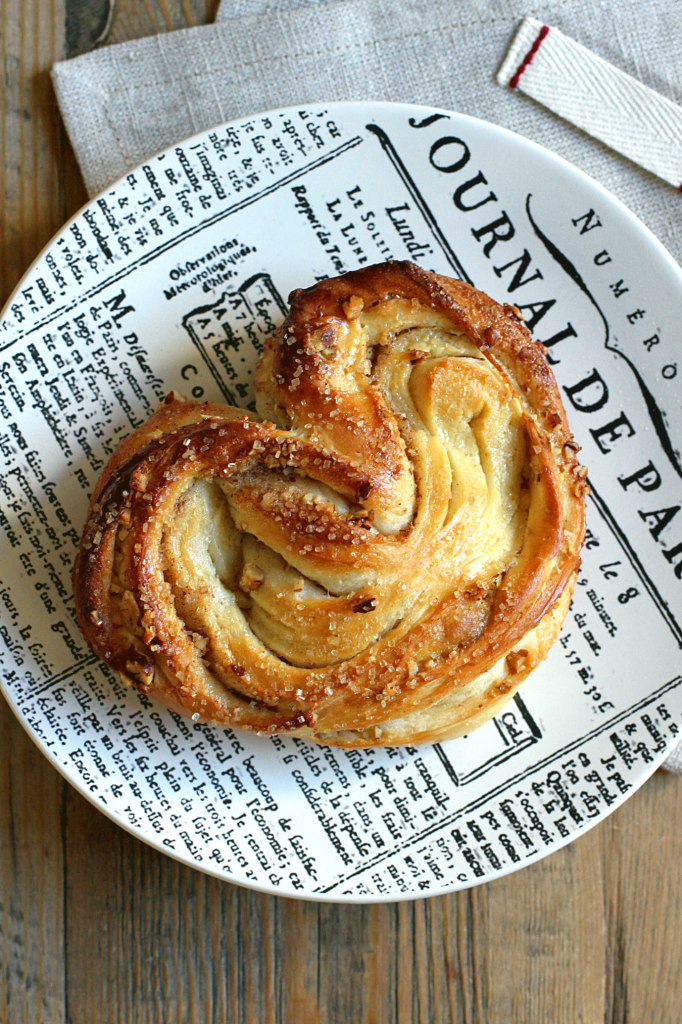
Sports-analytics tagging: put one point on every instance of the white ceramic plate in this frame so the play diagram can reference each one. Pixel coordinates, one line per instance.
(172, 279)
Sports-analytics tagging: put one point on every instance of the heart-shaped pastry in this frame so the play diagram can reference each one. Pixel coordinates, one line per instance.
(380, 557)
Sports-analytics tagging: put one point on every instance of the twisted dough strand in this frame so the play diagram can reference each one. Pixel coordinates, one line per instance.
(382, 557)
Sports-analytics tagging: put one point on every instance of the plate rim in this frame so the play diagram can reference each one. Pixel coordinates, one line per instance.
(151, 840)
(346, 900)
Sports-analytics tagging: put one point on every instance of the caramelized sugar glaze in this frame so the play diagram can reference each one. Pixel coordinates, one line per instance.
(380, 556)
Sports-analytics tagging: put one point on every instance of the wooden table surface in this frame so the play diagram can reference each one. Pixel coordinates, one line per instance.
(96, 928)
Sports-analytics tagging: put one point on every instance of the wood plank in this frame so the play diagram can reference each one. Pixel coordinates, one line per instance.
(545, 931)
(40, 185)
(376, 966)
(136, 18)
(32, 984)
(642, 858)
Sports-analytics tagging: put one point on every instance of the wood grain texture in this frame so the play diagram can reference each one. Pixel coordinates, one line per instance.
(642, 856)
(136, 18)
(96, 928)
(32, 977)
(40, 185)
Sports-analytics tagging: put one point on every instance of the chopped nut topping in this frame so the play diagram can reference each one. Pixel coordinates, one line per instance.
(252, 577)
(352, 307)
(489, 338)
(173, 396)
(516, 662)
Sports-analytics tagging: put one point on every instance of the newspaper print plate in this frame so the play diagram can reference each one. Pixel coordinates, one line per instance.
(172, 279)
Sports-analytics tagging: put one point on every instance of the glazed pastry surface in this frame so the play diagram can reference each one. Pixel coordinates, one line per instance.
(380, 556)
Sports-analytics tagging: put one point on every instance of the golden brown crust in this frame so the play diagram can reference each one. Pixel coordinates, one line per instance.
(381, 559)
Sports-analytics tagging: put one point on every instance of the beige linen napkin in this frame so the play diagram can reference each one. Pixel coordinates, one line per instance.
(121, 104)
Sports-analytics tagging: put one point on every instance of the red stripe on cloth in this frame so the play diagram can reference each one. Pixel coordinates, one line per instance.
(514, 80)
